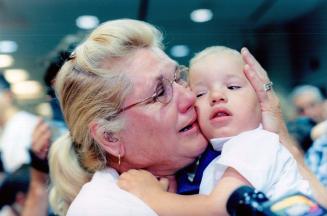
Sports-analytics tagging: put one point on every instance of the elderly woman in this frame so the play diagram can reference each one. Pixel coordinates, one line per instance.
(127, 107)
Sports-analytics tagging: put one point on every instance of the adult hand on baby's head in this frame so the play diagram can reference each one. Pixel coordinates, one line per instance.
(142, 184)
(272, 118)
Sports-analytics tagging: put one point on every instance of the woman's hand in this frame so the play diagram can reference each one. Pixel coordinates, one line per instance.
(272, 119)
(142, 184)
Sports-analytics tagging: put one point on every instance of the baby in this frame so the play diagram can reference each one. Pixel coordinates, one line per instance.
(229, 116)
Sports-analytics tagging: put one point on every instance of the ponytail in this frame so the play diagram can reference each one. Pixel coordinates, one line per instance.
(67, 176)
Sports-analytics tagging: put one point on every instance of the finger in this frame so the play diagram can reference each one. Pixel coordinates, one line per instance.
(39, 122)
(254, 64)
(256, 83)
(133, 172)
(122, 184)
(145, 173)
(44, 127)
(125, 174)
(42, 141)
(39, 130)
(43, 154)
(124, 179)
(164, 183)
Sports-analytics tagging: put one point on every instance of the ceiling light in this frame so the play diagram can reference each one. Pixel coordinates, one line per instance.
(87, 22)
(6, 61)
(15, 75)
(7, 46)
(201, 15)
(179, 51)
(44, 109)
(27, 90)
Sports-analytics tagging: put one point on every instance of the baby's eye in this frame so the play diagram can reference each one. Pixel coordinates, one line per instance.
(200, 94)
(233, 87)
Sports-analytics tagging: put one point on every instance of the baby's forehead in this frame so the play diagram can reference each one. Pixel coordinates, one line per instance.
(214, 56)
(227, 53)
(215, 60)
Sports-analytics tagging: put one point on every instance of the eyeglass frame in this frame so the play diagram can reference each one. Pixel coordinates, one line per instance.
(179, 69)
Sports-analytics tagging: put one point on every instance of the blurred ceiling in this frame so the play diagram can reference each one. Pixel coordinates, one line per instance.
(39, 25)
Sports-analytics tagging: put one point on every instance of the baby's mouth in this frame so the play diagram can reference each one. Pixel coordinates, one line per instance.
(223, 113)
(220, 113)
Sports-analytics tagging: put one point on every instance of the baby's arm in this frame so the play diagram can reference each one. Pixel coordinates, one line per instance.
(145, 186)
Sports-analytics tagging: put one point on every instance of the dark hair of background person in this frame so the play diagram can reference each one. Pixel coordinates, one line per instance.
(53, 68)
(15, 182)
(300, 129)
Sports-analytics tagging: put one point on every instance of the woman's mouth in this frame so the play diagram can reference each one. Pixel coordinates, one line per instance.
(188, 127)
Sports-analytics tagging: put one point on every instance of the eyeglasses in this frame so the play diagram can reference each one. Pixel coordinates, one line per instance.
(164, 89)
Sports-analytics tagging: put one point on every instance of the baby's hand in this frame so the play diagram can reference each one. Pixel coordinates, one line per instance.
(142, 184)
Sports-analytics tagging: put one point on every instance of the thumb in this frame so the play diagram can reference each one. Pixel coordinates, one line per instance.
(164, 183)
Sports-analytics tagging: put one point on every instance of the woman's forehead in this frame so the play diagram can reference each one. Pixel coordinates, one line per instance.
(150, 63)
(145, 69)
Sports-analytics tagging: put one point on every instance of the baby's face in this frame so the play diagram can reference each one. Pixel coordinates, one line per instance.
(226, 102)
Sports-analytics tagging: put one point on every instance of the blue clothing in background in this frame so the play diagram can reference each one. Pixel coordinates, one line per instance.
(316, 159)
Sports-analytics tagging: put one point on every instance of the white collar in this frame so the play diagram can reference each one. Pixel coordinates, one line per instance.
(218, 143)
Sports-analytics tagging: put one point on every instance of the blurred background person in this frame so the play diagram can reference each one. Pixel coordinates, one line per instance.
(316, 159)
(15, 139)
(45, 133)
(308, 102)
(17, 127)
(309, 128)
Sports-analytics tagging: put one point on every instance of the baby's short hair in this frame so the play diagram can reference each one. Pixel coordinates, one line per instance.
(213, 50)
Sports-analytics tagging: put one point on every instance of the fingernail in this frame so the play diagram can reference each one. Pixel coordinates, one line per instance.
(244, 49)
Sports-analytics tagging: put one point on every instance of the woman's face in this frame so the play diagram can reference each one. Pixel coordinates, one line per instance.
(161, 138)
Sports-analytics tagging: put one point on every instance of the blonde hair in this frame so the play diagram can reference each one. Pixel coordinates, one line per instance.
(214, 50)
(91, 86)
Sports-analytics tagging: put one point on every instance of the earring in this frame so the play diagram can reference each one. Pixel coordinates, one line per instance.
(118, 159)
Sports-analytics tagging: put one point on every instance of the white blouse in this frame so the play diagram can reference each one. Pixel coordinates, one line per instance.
(259, 157)
(102, 196)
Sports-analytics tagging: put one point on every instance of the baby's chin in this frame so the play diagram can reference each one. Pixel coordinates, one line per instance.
(222, 133)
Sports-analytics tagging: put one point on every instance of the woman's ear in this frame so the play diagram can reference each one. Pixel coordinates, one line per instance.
(108, 140)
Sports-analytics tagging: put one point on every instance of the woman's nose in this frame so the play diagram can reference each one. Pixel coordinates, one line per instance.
(186, 98)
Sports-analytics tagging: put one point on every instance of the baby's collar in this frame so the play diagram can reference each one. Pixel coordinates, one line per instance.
(217, 143)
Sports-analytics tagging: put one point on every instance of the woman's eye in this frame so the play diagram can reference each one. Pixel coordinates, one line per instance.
(234, 87)
(160, 92)
(178, 79)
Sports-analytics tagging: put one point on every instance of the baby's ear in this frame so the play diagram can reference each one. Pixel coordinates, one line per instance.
(108, 140)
